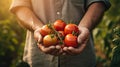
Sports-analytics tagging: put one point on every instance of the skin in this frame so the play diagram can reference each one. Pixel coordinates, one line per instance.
(30, 21)
(94, 14)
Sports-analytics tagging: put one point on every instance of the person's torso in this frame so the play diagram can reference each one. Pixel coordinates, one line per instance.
(51, 10)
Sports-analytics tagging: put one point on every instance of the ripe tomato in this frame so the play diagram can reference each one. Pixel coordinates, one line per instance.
(62, 34)
(70, 28)
(71, 40)
(49, 40)
(45, 30)
(59, 25)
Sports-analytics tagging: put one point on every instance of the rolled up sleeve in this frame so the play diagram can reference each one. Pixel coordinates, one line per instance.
(106, 2)
(19, 3)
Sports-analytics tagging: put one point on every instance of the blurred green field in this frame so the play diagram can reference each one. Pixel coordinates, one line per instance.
(12, 36)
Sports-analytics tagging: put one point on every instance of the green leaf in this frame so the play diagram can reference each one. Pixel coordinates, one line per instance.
(15, 41)
(116, 57)
(117, 30)
(116, 41)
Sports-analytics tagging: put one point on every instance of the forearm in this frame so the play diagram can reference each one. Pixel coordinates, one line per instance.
(93, 16)
(27, 18)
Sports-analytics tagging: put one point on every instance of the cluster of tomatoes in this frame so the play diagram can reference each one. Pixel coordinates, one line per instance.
(60, 33)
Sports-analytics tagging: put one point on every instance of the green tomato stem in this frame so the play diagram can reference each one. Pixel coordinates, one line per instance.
(58, 35)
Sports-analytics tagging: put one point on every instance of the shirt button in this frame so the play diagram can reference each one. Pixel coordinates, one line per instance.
(58, 13)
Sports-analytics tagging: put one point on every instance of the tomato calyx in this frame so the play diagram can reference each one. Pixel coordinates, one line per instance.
(75, 33)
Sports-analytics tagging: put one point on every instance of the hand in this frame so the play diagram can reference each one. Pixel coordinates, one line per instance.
(53, 50)
(82, 40)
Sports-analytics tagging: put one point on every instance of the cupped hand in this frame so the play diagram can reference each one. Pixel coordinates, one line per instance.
(52, 50)
(82, 39)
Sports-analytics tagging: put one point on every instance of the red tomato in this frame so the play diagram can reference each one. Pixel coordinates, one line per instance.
(71, 40)
(62, 34)
(49, 40)
(59, 25)
(45, 30)
(70, 28)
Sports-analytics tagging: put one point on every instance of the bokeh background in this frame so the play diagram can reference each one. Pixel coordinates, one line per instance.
(106, 37)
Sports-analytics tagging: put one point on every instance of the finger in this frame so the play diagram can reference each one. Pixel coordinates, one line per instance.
(36, 32)
(65, 49)
(84, 34)
(58, 47)
(46, 50)
(39, 38)
(37, 35)
(61, 52)
(56, 52)
(83, 37)
(77, 50)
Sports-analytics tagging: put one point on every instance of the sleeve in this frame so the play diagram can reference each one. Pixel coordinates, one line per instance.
(89, 2)
(19, 3)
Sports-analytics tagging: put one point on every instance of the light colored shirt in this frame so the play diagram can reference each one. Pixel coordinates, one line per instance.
(51, 10)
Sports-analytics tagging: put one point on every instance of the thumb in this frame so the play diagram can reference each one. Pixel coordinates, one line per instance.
(37, 35)
(39, 38)
(83, 36)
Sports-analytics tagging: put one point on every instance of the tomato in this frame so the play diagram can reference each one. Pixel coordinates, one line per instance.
(71, 40)
(70, 28)
(59, 25)
(45, 30)
(49, 40)
(62, 34)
